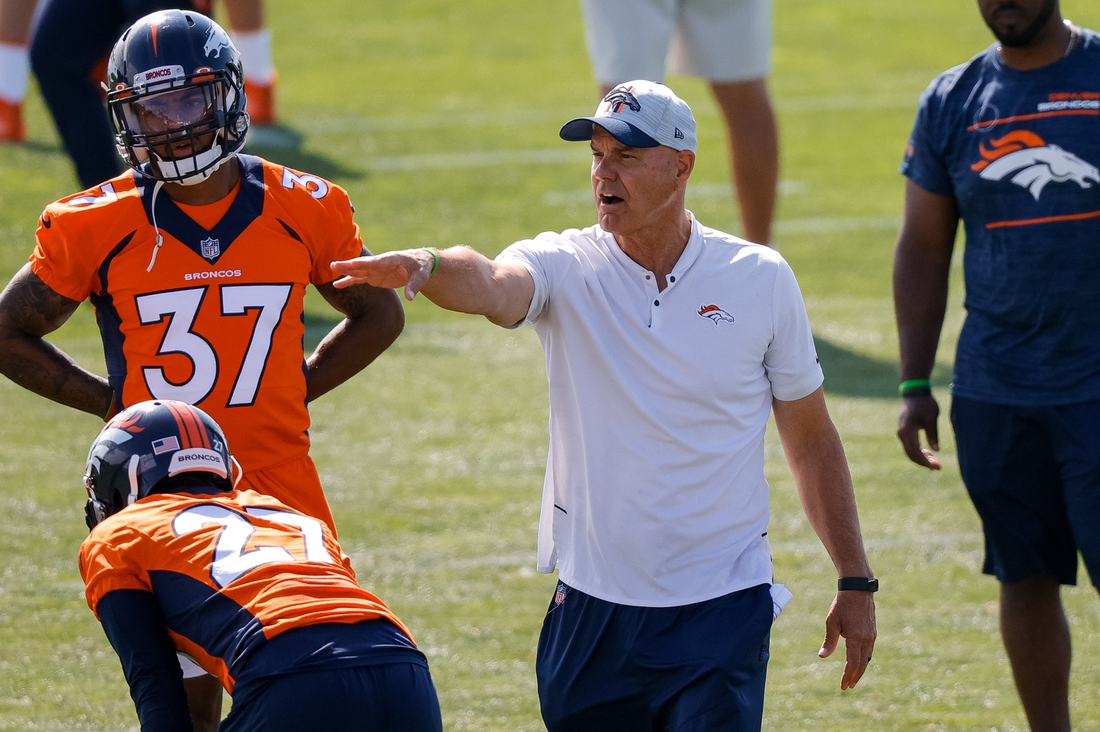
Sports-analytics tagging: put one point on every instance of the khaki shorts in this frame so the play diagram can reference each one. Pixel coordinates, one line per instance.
(719, 40)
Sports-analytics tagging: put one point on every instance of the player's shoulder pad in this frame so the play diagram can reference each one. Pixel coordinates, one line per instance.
(303, 187)
(99, 208)
(241, 497)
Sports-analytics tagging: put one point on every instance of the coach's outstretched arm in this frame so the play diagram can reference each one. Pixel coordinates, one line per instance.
(816, 457)
(458, 279)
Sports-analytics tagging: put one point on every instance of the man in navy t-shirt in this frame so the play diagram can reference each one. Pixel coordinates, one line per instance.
(1010, 142)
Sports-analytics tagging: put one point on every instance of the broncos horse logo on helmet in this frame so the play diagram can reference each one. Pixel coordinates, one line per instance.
(216, 40)
(176, 96)
(142, 447)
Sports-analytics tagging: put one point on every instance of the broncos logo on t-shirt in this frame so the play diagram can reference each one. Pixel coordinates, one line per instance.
(1033, 163)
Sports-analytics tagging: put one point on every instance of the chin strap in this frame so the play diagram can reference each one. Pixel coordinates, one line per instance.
(193, 179)
(132, 474)
(185, 169)
(160, 239)
(238, 472)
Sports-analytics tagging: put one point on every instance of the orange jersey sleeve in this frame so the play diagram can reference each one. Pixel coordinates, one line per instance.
(112, 562)
(331, 233)
(230, 572)
(76, 234)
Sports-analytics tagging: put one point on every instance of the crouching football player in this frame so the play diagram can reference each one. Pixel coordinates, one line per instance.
(179, 562)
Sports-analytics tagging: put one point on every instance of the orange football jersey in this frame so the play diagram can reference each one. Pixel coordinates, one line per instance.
(210, 317)
(230, 571)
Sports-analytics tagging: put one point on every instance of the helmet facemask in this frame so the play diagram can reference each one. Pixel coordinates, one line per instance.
(180, 126)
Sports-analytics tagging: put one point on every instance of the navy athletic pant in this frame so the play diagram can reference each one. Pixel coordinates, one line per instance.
(604, 667)
(70, 38)
(387, 697)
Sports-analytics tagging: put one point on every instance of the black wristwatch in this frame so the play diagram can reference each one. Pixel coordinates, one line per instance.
(864, 584)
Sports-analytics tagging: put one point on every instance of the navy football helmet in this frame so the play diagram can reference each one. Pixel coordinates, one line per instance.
(175, 92)
(148, 443)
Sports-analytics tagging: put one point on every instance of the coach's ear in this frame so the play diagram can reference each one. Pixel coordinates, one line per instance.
(685, 163)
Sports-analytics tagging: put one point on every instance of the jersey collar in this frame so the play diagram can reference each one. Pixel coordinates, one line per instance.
(209, 244)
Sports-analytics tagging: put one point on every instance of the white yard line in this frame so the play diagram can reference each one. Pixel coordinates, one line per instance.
(840, 223)
(694, 192)
(846, 102)
(488, 158)
(890, 542)
(523, 559)
(514, 117)
(528, 118)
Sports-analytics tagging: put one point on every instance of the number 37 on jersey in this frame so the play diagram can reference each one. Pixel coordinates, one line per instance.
(180, 309)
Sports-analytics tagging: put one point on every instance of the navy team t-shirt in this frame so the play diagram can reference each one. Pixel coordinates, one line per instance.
(1019, 151)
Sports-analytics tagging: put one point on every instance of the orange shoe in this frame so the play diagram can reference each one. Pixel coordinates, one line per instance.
(98, 76)
(260, 103)
(12, 128)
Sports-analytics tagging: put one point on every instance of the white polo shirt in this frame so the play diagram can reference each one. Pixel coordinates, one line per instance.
(655, 493)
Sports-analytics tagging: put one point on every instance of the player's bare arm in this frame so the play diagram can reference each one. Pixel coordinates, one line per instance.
(373, 318)
(29, 310)
(922, 263)
(816, 457)
(463, 280)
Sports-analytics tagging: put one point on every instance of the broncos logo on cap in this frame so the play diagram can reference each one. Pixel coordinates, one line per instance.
(619, 96)
(715, 314)
(1032, 163)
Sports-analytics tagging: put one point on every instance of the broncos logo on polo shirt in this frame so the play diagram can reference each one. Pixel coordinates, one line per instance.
(1032, 163)
(715, 314)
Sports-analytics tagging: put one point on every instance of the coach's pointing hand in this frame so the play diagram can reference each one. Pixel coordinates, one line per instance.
(461, 279)
(409, 268)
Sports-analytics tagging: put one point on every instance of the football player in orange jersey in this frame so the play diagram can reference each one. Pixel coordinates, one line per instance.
(282, 623)
(197, 262)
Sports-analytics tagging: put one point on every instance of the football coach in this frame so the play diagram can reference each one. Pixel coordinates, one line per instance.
(667, 346)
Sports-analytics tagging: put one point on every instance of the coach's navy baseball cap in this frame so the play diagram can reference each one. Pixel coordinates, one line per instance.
(639, 114)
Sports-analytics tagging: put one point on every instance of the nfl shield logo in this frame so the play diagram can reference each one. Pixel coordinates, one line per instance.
(210, 248)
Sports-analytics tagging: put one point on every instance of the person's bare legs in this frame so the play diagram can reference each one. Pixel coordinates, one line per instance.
(204, 700)
(253, 40)
(754, 153)
(245, 15)
(1036, 637)
(15, 20)
(15, 23)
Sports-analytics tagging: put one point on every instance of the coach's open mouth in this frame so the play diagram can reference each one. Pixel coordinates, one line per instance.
(608, 199)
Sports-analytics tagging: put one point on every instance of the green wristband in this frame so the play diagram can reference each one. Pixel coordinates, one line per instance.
(435, 260)
(924, 385)
(111, 408)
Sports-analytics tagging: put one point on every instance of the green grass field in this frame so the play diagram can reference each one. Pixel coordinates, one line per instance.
(440, 118)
